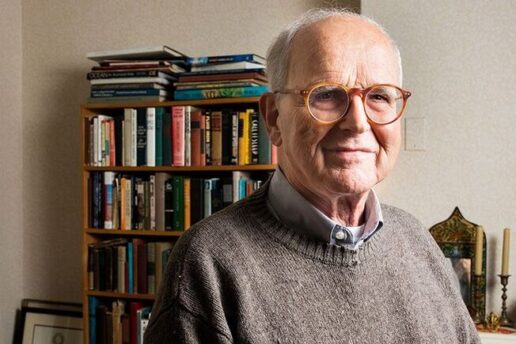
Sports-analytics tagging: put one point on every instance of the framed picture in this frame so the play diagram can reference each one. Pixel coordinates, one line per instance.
(456, 237)
(51, 322)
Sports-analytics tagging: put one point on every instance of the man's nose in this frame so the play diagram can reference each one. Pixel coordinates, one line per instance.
(355, 119)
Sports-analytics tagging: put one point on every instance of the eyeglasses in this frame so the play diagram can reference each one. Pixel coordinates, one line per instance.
(329, 102)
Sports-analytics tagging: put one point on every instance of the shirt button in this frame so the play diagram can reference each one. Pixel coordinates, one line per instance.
(341, 235)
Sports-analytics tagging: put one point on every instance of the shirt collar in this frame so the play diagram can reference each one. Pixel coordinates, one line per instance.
(291, 208)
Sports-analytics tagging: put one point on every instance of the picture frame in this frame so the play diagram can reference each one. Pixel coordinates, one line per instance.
(456, 237)
(51, 322)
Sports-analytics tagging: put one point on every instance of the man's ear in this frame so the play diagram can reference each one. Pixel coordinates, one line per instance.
(269, 111)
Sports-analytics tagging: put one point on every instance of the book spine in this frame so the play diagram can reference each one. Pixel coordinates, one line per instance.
(151, 136)
(178, 135)
(264, 143)
(216, 138)
(226, 137)
(141, 132)
(207, 137)
(107, 93)
(152, 202)
(169, 204)
(151, 267)
(234, 138)
(125, 74)
(122, 267)
(207, 197)
(167, 138)
(119, 140)
(253, 136)
(188, 136)
(205, 60)
(196, 138)
(159, 136)
(178, 203)
(229, 92)
(187, 203)
(196, 200)
(109, 178)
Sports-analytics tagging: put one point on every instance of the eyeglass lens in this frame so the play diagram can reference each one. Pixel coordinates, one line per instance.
(382, 103)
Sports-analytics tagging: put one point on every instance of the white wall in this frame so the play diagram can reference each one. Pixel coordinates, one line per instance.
(11, 243)
(459, 61)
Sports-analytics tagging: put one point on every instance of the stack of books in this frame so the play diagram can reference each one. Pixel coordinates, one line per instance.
(227, 76)
(142, 74)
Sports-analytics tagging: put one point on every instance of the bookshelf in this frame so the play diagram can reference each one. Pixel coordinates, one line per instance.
(94, 235)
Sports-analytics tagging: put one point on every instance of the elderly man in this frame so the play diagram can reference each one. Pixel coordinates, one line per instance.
(312, 257)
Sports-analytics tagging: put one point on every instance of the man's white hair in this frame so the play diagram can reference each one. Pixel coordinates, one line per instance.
(278, 53)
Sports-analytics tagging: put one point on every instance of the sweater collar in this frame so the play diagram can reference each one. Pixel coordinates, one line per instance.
(291, 208)
(299, 242)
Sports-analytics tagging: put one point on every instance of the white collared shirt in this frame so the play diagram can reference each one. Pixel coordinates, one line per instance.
(291, 208)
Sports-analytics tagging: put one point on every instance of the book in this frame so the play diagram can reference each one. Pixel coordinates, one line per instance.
(187, 202)
(220, 76)
(135, 80)
(137, 100)
(253, 136)
(178, 203)
(188, 135)
(158, 156)
(217, 84)
(226, 137)
(141, 137)
(204, 60)
(134, 86)
(216, 138)
(151, 136)
(207, 137)
(234, 137)
(108, 93)
(160, 179)
(109, 179)
(196, 199)
(178, 135)
(163, 52)
(195, 126)
(151, 267)
(227, 66)
(264, 143)
(169, 204)
(230, 92)
(127, 74)
(167, 137)
(244, 125)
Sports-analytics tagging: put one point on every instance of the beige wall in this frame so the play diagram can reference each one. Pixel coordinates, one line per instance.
(11, 232)
(459, 61)
(56, 37)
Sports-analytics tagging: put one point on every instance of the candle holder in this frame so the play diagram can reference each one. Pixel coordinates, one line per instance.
(504, 319)
(477, 297)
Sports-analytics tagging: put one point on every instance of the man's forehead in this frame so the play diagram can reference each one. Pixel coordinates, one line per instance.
(346, 44)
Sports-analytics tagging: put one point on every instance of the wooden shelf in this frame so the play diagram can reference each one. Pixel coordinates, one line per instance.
(198, 102)
(148, 233)
(109, 294)
(222, 168)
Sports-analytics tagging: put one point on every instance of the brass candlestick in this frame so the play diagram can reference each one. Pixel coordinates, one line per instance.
(504, 319)
(477, 297)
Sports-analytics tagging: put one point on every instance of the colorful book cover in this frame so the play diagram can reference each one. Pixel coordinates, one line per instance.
(178, 135)
(196, 138)
(188, 135)
(130, 268)
(187, 202)
(204, 60)
(230, 92)
(253, 136)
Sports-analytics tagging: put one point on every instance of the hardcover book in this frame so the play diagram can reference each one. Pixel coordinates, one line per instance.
(229, 92)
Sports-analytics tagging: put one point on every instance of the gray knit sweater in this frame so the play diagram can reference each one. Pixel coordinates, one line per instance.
(240, 276)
